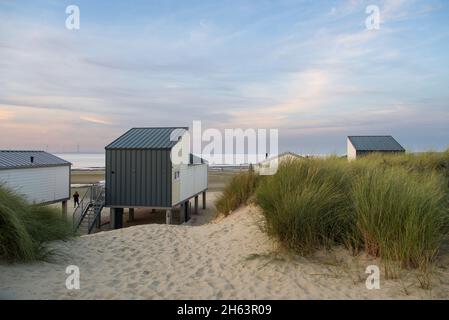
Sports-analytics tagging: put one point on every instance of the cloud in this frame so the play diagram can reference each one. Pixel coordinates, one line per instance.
(6, 114)
(390, 10)
(289, 65)
(394, 9)
(302, 91)
(94, 119)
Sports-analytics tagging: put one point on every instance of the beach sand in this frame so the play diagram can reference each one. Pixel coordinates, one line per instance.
(86, 176)
(216, 179)
(228, 258)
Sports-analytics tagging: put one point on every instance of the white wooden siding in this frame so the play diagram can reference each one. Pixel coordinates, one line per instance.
(351, 152)
(193, 180)
(39, 185)
(176, 185)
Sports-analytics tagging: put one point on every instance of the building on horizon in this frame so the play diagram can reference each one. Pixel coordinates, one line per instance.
(359, 146)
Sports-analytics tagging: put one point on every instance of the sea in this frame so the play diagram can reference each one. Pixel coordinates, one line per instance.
(96, 161)
(84, 161)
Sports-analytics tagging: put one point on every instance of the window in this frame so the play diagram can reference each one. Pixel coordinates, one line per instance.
(177, 175)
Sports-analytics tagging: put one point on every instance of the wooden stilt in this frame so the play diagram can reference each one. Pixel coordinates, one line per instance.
(64, 209)
(116, 218)
(186, 211)
(168, 216)
(204, 200)
(131, 215)
(119, 218)
(111, 218)
(196, 205)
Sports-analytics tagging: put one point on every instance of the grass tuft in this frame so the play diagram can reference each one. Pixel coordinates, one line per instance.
(307, 204)
(401, 215)
(25, 228)
(237, 192)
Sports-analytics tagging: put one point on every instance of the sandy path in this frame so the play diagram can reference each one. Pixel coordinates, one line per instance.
(229, 259)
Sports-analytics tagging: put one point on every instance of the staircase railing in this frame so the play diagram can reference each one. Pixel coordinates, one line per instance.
(81, 209)
(94, 198)
(98, 206)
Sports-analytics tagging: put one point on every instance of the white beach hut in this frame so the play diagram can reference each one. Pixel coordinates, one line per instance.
(359, 146)
(42, 178)
(269, 163)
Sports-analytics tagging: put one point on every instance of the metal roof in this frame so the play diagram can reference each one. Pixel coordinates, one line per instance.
(281, 155)
(148, 138)
(16, 159)
(375, 143)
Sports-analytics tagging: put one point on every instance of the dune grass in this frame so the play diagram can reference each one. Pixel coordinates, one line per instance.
(237, 192)
(25, 228)
(307, 204)
(392, 206)
(425, 162)
(400, 215)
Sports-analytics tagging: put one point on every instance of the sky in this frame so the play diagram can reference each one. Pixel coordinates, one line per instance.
(310, 69)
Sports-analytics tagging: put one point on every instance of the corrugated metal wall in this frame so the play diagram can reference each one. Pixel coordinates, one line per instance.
(138, 178)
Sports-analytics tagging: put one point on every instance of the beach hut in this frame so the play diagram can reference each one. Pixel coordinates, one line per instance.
(272, 162)
(40, 177)
(358, 146)
(140, 173)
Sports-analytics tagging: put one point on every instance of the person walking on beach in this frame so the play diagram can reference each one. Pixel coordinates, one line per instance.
(76, 199)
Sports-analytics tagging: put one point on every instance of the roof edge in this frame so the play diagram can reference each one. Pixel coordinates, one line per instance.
(400, 148)
(63, 161)
(108, 147)
(371, 136)
(67, 164)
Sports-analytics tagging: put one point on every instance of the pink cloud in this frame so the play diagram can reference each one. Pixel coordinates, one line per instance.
(94, 119)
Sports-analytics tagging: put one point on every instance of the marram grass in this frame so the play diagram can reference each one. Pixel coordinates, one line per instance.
(391, 206)
(401, 215)
(25, 228)
(237, 192)
(307, 204)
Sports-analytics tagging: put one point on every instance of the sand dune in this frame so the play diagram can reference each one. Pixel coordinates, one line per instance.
(230, 258)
